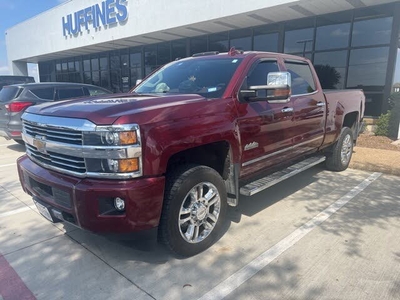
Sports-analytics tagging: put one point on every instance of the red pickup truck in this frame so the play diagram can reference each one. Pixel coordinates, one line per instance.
(167, 158)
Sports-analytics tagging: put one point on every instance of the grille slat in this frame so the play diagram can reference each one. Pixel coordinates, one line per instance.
(62, 135)
(61, 161)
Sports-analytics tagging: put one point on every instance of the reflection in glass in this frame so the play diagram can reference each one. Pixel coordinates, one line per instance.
(373, 104)
(198, 45)
(331, 68)
(103, 63)
(219, 42)
(372, 32)
(178, 49)
(150, 59)
(95, 64)
(367, 68)
(332, 36)
(300, 40)
(266, 42)
(241, 39)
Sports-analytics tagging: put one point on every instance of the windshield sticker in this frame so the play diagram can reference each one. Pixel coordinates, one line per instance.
(234, 61)
(213, 89)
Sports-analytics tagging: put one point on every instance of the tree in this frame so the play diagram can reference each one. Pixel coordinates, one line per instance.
(329, 77)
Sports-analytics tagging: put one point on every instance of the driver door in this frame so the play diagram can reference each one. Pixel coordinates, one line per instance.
(266, 128)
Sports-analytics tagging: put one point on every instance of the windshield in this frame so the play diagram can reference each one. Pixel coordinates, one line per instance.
(207, 77)
(8, 93)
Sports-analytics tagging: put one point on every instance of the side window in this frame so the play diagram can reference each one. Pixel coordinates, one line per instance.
(258, 76)
(68, 93)
(96, 91)
(302, 79)
(44, 93)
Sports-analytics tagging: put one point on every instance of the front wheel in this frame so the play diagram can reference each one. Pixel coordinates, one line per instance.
(342, 151)
(194, 210)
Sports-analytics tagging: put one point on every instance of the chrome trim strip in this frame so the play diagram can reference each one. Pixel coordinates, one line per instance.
(307, 94)
(91, 174)
(104, 152)
(278, 152)
(62, 123)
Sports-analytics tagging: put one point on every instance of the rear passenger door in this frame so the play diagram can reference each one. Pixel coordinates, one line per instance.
(309, 108)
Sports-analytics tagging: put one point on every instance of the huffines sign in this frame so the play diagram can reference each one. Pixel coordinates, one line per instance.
(104, 14)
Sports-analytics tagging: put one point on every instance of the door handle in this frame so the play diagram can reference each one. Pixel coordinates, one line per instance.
(321, 104)
(287, 109)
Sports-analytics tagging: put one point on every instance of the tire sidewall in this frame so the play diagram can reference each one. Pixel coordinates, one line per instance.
(192, 177)
(338, 155)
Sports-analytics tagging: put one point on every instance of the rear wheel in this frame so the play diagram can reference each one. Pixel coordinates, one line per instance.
(342, 151)
(194, 210)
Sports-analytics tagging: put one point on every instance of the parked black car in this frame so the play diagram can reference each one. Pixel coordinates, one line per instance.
(14, 99)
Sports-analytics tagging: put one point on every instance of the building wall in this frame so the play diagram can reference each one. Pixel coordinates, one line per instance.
(350, 49)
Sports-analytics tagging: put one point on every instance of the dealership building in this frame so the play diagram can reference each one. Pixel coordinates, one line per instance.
(112, 43)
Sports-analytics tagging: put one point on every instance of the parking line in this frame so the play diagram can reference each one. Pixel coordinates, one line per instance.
(8, 165)
(237, 279)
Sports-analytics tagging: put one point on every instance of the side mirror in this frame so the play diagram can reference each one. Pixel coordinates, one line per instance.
(278, 89)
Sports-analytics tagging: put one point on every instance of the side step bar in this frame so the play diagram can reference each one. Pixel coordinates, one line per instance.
(264, 183)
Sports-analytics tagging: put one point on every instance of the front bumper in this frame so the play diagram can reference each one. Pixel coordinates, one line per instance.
(83, 202)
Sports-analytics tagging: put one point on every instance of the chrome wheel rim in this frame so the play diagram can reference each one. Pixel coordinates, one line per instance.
(347, 149)
(199, 212)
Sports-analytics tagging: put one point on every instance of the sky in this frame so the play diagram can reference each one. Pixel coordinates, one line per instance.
(13, 12)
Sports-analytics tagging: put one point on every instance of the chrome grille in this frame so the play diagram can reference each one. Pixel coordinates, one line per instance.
(62, 161)
(60, 135)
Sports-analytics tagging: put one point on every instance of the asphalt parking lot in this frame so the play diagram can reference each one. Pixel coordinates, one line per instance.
(318, 235)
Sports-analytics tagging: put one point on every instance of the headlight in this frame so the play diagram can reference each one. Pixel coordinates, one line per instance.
(111, 136)
(123, 140)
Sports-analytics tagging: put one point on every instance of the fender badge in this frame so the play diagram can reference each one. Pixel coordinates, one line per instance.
(251, 146)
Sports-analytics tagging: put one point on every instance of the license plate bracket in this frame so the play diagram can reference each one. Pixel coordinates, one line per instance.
(44, 211)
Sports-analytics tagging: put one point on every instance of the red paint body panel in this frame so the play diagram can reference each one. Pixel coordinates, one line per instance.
(172, 123)
(143, 198)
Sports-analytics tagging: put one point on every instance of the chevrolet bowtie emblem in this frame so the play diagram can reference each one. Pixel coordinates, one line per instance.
(40, 143)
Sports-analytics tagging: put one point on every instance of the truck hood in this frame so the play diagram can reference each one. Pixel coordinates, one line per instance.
(106, 110)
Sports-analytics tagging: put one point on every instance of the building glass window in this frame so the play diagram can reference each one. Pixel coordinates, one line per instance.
(150, 59)
(300, 40)
(332, 36)
(372, 32)
(163, 53)
(198, 45)
(373, 104)
(125, 73)
(95, 64)
(86, 65)
(136, 65)
(367, 68)
(105, 79)
(265, 41)
(71, 66)
(178, 49)
(103, 63)
(331, 68)
(87, 77)
(241, 39)
(219, 42)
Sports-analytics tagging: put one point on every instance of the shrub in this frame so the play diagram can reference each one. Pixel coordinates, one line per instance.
(394, 120)
(382, 126)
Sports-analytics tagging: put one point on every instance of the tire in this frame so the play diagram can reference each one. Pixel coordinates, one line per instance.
(189, 222)
(342, 151)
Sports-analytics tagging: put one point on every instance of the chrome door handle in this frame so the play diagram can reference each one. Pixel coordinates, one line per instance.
(287, 109)
(321, 104)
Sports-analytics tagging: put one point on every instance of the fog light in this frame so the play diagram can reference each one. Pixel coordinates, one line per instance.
(119, 204)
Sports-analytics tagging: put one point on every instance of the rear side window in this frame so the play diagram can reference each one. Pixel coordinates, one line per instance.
(8, 93)
(44, 93)
(69, 93)
(302, 79)
(94, 91)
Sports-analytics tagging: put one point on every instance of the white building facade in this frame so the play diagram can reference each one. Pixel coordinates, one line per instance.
(113, 43)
